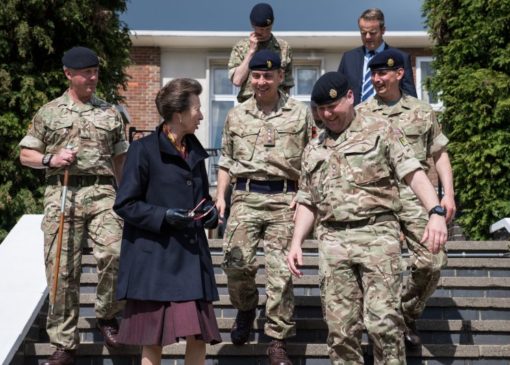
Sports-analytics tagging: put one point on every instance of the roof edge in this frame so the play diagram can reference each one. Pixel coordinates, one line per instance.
(298, 39)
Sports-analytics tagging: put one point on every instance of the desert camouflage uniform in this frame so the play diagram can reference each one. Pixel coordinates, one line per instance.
(274, 44)
(96, 130)
(349, 180)
(418, 122)
(263, 147)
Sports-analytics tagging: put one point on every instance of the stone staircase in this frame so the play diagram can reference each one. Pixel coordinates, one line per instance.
(467, 321)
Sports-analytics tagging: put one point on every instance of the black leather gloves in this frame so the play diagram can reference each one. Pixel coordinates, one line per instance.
(181, 218)
(178, 218)
(211, 219)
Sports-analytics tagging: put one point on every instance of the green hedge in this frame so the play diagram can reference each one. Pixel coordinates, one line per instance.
(472, 62)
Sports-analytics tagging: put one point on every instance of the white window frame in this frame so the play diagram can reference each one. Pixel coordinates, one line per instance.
(420, 80)
(305, 63)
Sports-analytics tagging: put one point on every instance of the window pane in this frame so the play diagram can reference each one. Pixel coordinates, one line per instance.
(305, 78)
(426, 72)
(221, 82)
(219, 113)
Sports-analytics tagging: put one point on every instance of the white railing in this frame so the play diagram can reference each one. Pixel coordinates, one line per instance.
(23, 286)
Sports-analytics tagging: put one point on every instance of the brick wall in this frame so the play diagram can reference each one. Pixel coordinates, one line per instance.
(143, 85)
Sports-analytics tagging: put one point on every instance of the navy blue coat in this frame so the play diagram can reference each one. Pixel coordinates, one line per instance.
(351, 66)
(158, 262)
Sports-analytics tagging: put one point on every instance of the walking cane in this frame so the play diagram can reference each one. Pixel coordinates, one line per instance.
(56, 267)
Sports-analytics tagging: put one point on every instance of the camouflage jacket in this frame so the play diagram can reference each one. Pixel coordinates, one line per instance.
(95, 129)
(266, 147)
(351, 177)
(239, 53)
(416, 119)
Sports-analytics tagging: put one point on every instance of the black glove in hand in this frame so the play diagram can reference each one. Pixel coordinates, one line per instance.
(178, 218)
(210, 220)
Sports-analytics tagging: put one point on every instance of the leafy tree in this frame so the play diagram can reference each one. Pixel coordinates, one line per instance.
(33, 36)
(472, 60)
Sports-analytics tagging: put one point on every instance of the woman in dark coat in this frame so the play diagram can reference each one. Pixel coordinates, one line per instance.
(166, 272)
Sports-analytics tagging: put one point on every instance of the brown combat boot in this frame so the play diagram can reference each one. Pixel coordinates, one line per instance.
(242, 327)
(61, 357)
(109, 328)
(277, 353)
(411, 335)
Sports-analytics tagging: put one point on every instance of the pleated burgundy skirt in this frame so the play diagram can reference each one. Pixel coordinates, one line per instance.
(147, 323)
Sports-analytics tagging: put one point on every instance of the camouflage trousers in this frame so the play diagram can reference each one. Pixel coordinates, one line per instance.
(360, 279)
(265, 218)
(425, 267)
(88, 217)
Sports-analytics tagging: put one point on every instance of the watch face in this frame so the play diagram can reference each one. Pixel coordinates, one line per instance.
(438, 210)
(46, 160)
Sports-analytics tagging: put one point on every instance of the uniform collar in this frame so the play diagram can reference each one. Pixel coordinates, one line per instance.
(250, 106)
(70, 104)
(401, 106)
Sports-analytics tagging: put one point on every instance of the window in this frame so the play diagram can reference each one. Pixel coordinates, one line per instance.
(223, 96)
(305, 75)
(423, 71)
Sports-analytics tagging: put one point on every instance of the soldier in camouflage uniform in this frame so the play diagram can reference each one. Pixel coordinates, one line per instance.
(417, 120)
(84, 135)
(262, 19)
(347, 183)
(262, 143)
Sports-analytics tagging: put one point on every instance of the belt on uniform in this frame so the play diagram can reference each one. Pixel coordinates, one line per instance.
(383, 217)
(266, 186)
(80, 180)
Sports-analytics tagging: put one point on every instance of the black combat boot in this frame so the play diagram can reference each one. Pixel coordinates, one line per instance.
(242, 327)
(61, 357)
(277, 353)
(411, 334)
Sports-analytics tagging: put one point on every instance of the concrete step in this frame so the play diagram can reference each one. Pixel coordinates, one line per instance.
(502, 283)
(88, 299)
(295, 350)
(313, 261)
(87, 323)
(454, 247)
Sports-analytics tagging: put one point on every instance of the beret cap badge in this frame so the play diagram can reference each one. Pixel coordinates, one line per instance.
(269, 21)
(269, 64)
(390, 62)
(332, 93)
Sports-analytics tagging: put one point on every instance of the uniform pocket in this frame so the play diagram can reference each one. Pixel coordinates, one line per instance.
(244, 143)
(416, 135)
(106, 133)
(58, 133)
(291, 138)
(366, 161)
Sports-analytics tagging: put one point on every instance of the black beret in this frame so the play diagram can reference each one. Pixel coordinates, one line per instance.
(262, 15)
(265, 60)
(389, 59)
(329, 87)
(80, 57)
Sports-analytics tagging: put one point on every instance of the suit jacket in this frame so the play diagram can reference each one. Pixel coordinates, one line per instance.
(157, 261)
(351, 66)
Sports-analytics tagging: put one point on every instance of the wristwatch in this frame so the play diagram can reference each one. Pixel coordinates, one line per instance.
(439, 210)
(47, 159)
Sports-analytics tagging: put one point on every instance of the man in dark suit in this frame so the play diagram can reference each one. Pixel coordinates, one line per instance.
(354, 62)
